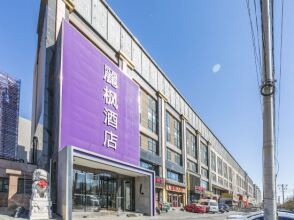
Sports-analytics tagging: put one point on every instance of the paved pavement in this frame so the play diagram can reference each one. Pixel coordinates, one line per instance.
(171, 215)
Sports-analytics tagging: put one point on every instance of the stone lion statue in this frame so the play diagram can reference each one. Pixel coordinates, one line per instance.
(40, 187)
(40, 203)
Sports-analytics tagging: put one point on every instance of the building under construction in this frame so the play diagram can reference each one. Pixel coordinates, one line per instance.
(9, 111)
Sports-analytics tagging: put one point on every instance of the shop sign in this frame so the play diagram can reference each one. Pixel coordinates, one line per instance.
(200, 189)
(175, 188)
(99, 103)
(227, 195)
(159, 180)
(208, 194)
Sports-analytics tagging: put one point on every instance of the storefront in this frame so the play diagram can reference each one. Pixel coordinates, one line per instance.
(175, 195)
(195, 191)
(159, 185)
(97, 166)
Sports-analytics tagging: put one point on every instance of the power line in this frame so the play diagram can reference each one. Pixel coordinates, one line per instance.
(256, 60)
(280, 74)
(257, 32)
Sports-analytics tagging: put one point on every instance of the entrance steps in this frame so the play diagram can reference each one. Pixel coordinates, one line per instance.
(105, 214)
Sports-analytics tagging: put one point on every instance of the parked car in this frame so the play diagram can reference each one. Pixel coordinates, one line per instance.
(212, 205)
(283, 215)
(223, 208)
(164, 206)
(194, 207)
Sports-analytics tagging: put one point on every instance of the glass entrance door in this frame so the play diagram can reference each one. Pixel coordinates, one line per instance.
(79, 190)
(108, 191)
(128, 205)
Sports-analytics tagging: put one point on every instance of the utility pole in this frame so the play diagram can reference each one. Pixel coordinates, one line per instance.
(283, 188)
(267, 91)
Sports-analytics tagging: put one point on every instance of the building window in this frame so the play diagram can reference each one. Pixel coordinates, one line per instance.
(191, 144)
(225, 170)
(204, 172)
(219, 166)
(213, 161)
(174, 176)
(204, 184)
(167, 125)
(192, 166)
(178, 159)
(177, 132)
(168, 154)
(152, 114)
(220, 180)
(230, 174)
(213, 177)
(150, 166)
(4, 184)
(204, 154)
(149, 144)
(24, 186)
(152, 146)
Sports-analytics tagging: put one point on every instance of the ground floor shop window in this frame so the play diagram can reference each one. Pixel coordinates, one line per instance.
(175, 199)
(98, 189)
(24, 186)
(4, 184)
(158, 197)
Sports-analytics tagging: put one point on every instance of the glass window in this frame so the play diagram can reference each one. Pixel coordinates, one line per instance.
(152, 146)
(225, 170)
(149, 144)
(204, 172)
(193, 167)
(167, 124)
(230, 174)
(177, 132)
(220, 180)
(174, 176)
(204, 154)
(168, 154)
(213, 161)
(24, 186)
(4, 184)
(204, 184)
(191, 144)
(178, 159)
(213, 176)
(219, 166)
(152, 114)
(150, 166)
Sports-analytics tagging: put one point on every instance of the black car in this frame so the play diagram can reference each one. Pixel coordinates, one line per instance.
(223, 208)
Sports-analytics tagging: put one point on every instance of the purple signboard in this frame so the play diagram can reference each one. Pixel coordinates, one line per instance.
(99, 103)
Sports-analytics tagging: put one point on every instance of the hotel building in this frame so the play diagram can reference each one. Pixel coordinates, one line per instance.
(115, 132)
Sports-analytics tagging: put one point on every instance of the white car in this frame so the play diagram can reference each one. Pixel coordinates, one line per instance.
(212, 205)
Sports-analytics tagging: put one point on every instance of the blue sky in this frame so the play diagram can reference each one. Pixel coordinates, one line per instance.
(204, 47)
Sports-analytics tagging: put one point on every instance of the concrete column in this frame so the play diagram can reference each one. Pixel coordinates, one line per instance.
(209, 166)
(184, 153)
(12, 188)
(13, 180)
(60, 15)
(161, 126)
(198, 136)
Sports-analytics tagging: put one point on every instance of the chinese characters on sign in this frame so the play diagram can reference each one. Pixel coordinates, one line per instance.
(110, 115)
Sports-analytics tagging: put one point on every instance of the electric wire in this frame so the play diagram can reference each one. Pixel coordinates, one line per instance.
(280, 79)
(256, 60)
(257, 33)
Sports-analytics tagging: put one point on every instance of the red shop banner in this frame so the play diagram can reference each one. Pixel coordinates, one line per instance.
(175, 188)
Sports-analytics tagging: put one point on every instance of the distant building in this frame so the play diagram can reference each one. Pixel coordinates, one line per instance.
(257, 195)
(9, 110)
(15, 147)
